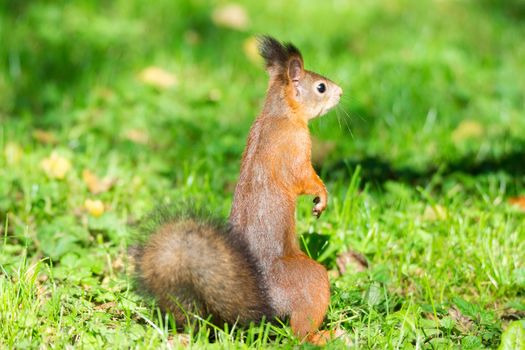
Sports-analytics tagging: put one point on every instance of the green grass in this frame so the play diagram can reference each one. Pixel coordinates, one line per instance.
(420, 160)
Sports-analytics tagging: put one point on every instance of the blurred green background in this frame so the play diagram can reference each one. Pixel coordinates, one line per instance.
(411, 71)
(108, 108)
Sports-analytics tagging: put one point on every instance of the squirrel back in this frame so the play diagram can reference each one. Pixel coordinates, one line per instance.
(192, 264)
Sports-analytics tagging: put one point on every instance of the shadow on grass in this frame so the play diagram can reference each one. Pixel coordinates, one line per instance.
(378, 170)
(510, 9)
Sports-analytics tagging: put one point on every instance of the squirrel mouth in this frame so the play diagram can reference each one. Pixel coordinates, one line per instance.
(331, 103)
(327, 109)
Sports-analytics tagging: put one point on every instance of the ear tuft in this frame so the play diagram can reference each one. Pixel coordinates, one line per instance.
(277, 55)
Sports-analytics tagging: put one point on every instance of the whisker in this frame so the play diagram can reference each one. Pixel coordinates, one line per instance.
(361, 117)
(338, 117)
(346, 122)
(345, 101)
(353, 114)
(348, 125)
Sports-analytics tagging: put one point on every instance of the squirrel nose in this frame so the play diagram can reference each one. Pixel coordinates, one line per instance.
(339, 91)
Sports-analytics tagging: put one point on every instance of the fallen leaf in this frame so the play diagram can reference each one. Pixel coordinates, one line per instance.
(350, 260)
(13, 153)
(518, 202)
(251, 50)
(434, 213)
(214, 95)
(179, 340)
(467, 129)
(137, 136)
(95, 184)
(232, 16)
(106, 306)
(192, 37)
(157, 77)
(118, 264)
(94, 207)
(56, 166)
(464, 323)
(512, 314)
(45, 137)
(105, 93)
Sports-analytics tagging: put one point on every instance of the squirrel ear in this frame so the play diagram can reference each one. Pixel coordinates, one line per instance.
(283, 60)
(295, 69)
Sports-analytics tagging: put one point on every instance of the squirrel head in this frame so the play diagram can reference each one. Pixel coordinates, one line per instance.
(307, 92)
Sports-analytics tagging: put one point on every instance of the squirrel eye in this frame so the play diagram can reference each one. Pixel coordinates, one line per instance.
(321, 88)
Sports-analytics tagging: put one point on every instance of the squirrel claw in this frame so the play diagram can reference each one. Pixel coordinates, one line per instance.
(318, 207)
(316, 211)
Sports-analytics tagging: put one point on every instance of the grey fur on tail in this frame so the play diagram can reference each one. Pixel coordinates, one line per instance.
(191, 263)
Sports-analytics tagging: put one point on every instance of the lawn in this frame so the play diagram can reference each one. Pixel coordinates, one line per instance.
(109, 109)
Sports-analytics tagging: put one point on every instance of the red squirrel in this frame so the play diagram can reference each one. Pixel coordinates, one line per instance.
(251, 267)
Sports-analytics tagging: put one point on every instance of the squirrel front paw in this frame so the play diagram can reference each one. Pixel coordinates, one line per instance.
(319, 207)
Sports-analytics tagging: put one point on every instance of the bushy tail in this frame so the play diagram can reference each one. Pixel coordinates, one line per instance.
(193, 265)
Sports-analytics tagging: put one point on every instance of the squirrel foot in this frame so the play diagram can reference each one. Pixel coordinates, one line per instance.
(321, 337)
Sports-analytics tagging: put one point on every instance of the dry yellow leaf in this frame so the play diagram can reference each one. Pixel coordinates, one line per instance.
(137, 136)
(463, 322)
(433, 213)
(94, 207)
(45, 137)
(56, 166)
(351, 260)
(467, 129)
(251, 50)
(232, 16)
(13, 153)
(192, 37)
(157, 77)
(214, 95)
(94, 183)
(179, 340)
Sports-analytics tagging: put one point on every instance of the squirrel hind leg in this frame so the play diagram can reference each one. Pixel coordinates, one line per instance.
(303, 289)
